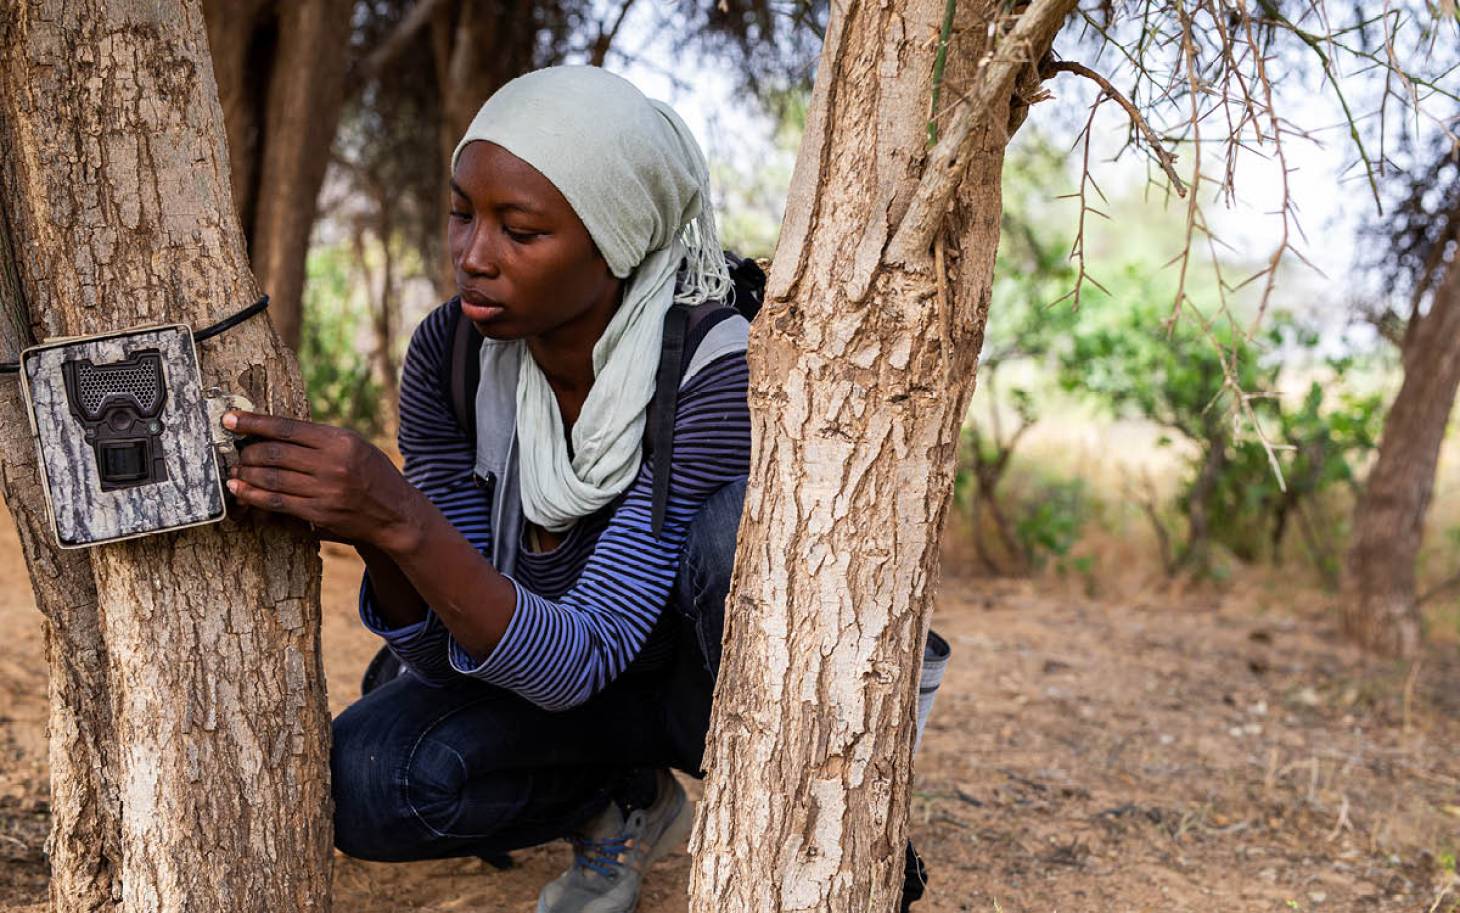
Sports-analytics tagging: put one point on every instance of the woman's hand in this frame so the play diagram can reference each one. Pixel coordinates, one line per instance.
(327, 476)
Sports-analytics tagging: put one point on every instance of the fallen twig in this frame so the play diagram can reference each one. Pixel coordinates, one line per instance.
(1342, 820)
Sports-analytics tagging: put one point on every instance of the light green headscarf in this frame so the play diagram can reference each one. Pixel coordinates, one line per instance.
(634, 174)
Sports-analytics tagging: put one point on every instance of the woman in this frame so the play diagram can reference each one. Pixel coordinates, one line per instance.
(561, 655)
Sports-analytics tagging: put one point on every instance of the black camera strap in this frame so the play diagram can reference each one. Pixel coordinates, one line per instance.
(208, 332)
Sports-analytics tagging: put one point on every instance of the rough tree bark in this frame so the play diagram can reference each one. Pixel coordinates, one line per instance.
(189, 730)
(1381, 608)
(862, 366)
(281, 70)
(85, 815)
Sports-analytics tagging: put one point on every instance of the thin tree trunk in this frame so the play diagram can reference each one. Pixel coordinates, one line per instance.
(305, 95)
(1196, 555)
(281, 69)
(214, 775)
(385, 321)
(862, 365)
(1381, 610)
(384, 312)
(479, 48)
(241, 58)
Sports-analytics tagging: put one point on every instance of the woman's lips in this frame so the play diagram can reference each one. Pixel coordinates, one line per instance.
(479, 313)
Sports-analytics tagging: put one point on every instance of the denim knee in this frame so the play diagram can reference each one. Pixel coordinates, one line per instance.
(368, 787)
(436, 781)
(705, 568)
(709, 546)
(400, 793)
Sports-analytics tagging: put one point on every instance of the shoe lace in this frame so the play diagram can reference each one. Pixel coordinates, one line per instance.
(604, 856)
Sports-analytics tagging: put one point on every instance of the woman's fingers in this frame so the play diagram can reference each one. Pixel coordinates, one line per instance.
(280, 455)
(275, 501)
(276, 427)
(285, 481)
(328, 476)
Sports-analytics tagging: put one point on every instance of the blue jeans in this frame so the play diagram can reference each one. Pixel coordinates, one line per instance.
(422, 772)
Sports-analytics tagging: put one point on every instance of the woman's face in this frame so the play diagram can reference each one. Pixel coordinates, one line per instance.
(525, 264)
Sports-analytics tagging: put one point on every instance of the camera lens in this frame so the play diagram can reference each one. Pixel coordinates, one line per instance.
(124, 462)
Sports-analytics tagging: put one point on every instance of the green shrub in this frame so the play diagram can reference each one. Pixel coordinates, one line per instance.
(1051, 518)
(1183, 380)
(342, 390)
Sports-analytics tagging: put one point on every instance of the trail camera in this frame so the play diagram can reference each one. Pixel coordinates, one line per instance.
(129, 441)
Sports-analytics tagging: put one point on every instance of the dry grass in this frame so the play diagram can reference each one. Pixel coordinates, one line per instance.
(1121, 461)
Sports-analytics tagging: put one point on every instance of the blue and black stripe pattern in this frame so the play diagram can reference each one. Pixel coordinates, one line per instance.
(586, 608)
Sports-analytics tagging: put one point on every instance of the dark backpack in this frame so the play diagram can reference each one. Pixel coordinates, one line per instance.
(684, 330)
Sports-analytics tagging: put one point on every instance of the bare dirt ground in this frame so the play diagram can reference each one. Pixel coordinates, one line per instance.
(1158, 753)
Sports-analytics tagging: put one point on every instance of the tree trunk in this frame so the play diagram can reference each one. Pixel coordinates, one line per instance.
(385, 319)
(281, 75)
(862, 365)
(85, 814)
(1196, 555)
(478, 48)
(242, 58)
(189, 727)
(1381, 609)
(383, 309)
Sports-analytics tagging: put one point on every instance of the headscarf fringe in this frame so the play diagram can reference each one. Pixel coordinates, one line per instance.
(706, 276)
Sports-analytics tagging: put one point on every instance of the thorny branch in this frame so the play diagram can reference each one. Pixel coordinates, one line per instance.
(1193, 205)
(1195, 59)
(1164, 158)
(1190, 60)
(944, 168)
(1077, 247)
(1316, 42)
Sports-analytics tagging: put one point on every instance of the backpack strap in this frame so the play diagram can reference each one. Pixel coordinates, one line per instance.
(684, 329)
(463, 369)
(662, 409)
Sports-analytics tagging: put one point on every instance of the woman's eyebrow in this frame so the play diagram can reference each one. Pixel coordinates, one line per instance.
(516, 206)
(507, 206)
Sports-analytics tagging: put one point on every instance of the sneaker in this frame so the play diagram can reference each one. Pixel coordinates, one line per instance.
(612, 851)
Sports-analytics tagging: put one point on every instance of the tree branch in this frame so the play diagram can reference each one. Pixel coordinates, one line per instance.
(395, 43)
(1164, 158)
(605, 38)
(1021, 47)
(1315, 42)
(1441, 587)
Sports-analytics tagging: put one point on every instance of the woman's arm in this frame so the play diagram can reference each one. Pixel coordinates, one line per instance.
(439, 459)
(339, 482)
(555, 653)
(397, 602)
(559, 653)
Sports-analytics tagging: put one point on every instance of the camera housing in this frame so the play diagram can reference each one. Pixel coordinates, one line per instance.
(125, 434)
(120, 407)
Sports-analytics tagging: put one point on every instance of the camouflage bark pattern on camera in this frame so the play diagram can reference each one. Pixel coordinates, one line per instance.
(83, 514)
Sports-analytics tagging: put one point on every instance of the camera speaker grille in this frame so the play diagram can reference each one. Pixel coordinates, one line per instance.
(140, 382)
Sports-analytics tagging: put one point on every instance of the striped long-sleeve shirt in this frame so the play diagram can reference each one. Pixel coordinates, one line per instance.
(585, 609)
